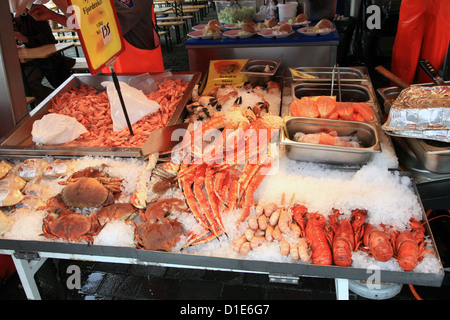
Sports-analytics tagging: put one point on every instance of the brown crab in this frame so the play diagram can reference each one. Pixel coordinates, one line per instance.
(160, 232)
(116, 211)
(162, 208)
(90, 188)
(161, 235)
(62, 223)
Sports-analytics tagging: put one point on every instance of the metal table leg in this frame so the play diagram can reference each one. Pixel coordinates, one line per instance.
(341, 289)
(26, 271)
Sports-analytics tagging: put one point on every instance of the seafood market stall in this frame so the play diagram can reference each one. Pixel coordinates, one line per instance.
(243, 215)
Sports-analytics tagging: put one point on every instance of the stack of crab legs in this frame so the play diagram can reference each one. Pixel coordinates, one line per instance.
(309, 237)
(223, 176)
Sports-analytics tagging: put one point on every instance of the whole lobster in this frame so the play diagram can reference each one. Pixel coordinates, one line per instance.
(410, 246)
(347, 235)
(377, 243)
(318, 239)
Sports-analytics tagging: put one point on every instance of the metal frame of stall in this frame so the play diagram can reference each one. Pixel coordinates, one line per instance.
(27, 264)
(29, 256)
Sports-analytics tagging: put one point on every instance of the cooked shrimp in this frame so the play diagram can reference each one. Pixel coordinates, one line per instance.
(304, 250)
(284, 247)
(262, 222)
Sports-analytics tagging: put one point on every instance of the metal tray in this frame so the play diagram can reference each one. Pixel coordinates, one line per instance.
(326, 73)
(434, 155)
(19, 142)
(255, 70)
(389, 95)
(423, 109)
(366, 133)
(349, 92)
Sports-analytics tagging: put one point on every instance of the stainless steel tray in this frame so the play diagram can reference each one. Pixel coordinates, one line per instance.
(19, 142)
(257, 73)
(326, 73)
(434, 155)
(389, 95)
(351, 92)
(421, 109)
(366, 133)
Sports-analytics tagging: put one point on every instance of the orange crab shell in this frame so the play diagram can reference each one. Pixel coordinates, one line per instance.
(159, 209)
(116, 211)
(85, 193)
(70, 226)
(159, 236)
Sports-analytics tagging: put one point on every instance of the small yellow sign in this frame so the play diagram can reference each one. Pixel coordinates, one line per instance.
(301, 75)
(225, 72)
(98, 31)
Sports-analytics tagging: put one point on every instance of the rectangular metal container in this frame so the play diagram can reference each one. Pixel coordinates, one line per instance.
(308, 152)
(349, 92)
(19, 142)
(434, 155)
(420, 108)
(257, 73)
(389, 95)
(326, 73)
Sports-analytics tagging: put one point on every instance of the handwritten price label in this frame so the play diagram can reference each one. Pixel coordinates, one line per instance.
(106, 34)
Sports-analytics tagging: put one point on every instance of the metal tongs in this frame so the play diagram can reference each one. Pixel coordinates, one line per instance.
(336, 66)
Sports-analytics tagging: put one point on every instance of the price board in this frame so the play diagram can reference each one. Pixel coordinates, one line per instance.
(99, 32)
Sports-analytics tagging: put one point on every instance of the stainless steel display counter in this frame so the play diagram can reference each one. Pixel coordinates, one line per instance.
(29, 255)
(294, 51)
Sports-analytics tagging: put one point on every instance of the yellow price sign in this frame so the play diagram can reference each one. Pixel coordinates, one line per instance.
(98, 31)
(225, 72)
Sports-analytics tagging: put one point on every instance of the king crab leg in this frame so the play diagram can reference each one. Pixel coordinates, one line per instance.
(199, 181)
(186, 185)
(139, 198)
(212, 197)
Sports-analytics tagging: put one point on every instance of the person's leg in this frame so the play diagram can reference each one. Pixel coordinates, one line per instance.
(34, 79)
(408, 40)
